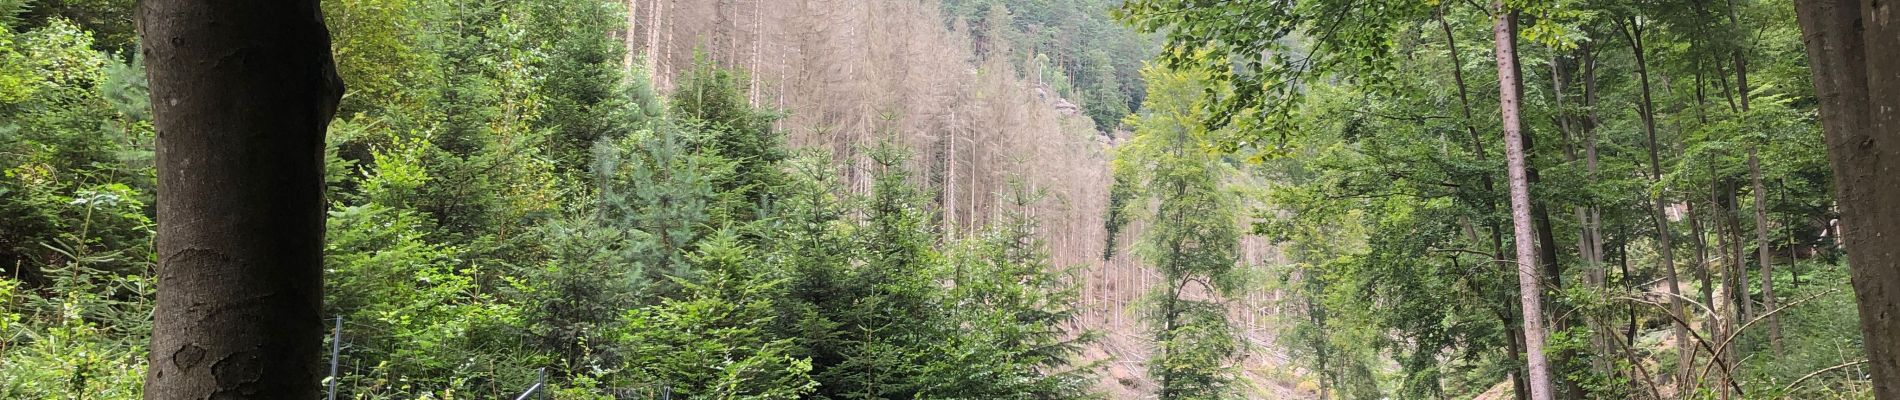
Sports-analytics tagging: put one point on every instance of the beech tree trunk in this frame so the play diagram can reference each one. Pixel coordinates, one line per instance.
(1537, 369)
(1519, 388)
(1854, 53)
(242, 92)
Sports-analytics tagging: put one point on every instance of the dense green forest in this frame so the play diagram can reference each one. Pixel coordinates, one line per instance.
(646, 200)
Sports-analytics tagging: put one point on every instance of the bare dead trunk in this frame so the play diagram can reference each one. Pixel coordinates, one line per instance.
(630, 44)
(1524, 238)
(242, 93)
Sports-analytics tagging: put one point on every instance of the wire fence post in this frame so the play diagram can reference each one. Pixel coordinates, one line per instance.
(538, 383)
(336, 346)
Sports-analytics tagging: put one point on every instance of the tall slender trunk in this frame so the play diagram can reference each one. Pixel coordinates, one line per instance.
(653, 38)
(1762, 247)
(630, 44)
(1623, 262)
(1316, 314)
(1593, 224)
(1763, 250)
(1722, 302)
(1737, 262)
(758, 46)
(1529, 293)
(240, 195)
(1703, 271)
(1520, 388)
(1547, 257)
(656, 49)
(1665, 247)
(1561, 69)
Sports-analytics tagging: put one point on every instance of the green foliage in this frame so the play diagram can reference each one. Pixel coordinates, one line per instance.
(712, 100)
(1073, 46)
(75, 227)
(866, 326)
(505, 199)
(69, 145)
(1168, 176)
(1011, 305)
(87, 342)
(658, 190)
(712, 341)
(1244, 49)
(416, 320)
(1376, 124)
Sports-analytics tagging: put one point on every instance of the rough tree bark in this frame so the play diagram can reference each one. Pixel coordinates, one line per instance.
(242, 92)
(1537, 371)
(1854, 53)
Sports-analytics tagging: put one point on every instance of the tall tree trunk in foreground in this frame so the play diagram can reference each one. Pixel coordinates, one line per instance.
(1537, 369)
(1854, 51)
(241, 93)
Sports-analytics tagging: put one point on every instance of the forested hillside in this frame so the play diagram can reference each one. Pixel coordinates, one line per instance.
(955, 88)
(974, 89)
(508, 195)
(947, 199)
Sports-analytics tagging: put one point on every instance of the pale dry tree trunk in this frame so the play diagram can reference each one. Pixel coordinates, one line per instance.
(1529, 293)
(758, 43)
(631, 44)
(1519, 389)
(655, 9)
(662, 76)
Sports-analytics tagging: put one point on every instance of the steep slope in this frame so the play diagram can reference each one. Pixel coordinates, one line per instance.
(849, 73)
